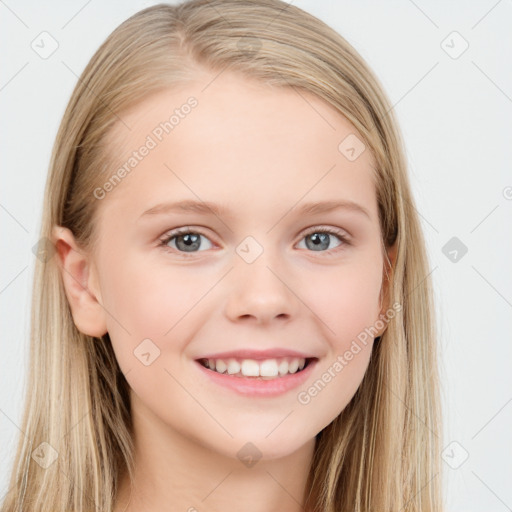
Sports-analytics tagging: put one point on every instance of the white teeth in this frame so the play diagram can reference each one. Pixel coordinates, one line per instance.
(250, 368)
(283, 368)
(220, 366)
(233, 367)
(293, 366)
(267, 368)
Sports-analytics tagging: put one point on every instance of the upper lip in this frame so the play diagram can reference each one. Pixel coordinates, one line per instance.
(258, 354)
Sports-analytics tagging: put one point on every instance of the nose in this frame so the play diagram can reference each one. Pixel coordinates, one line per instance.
(260, 293)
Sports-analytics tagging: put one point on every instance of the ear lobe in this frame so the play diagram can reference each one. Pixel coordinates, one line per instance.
(78, 279)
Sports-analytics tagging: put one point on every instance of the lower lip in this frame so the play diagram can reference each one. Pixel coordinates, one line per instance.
(251, 386)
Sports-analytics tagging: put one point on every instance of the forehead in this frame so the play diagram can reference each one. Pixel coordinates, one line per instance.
(243, 143)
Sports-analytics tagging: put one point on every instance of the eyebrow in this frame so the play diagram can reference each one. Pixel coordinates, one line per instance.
(207, 208)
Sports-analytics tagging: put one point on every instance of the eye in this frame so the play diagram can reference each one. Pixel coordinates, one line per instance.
(185, 240)
(322, 236)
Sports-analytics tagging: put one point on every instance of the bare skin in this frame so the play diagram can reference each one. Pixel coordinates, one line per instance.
(262, 153)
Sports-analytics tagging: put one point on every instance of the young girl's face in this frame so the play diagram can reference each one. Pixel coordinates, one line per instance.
(258, 274)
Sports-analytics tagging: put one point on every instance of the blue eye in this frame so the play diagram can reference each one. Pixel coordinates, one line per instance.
(321, 238)
(187, 241)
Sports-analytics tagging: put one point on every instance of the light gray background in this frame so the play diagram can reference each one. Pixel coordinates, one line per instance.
(456, 118)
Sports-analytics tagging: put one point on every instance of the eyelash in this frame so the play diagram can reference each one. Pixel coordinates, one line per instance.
(317, 229)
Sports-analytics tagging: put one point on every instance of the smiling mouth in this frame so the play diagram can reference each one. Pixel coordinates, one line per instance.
(258, 369)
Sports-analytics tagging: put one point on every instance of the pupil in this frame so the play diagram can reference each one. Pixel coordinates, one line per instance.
(319, 240)
(190, 240)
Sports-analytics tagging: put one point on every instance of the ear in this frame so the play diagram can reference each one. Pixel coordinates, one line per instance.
(80, 283)
(387, 278)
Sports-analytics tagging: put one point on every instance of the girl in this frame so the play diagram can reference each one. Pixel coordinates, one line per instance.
(233, 309)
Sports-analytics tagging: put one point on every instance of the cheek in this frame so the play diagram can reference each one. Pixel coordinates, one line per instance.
(347, 302)
(139, 305)
(159, 305)
(346, 299)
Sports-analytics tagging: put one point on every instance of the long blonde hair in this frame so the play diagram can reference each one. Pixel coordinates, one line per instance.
(382, 453)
